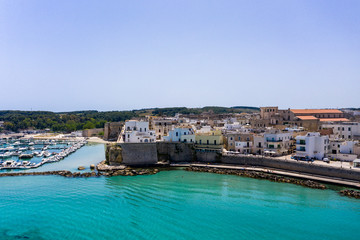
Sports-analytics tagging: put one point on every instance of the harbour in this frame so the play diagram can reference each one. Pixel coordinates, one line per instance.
(30, 153)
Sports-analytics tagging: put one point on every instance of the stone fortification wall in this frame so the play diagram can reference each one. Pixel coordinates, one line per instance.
(208, 157)
(176, 152)
(139, 153)
(299, 166)
(151, 153)
(112, 130)
(92, 132)
(113, 154)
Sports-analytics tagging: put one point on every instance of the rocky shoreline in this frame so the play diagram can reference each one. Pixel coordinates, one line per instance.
(259, 175)
(130, 172)
(350, 193)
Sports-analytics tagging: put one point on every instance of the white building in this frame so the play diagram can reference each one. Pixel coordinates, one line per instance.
(345, 130)
(243, 147)
(180, 134)
(277, 142)
(312, 146)
(343, 150)
(137, 132)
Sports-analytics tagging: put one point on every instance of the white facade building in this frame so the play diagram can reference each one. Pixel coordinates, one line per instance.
(277, 142)
(137, 132)
(345, 130)
(243, 147)
(180, 134)
(312, 146)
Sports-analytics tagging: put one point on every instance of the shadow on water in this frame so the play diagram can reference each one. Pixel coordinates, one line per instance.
(30, 234)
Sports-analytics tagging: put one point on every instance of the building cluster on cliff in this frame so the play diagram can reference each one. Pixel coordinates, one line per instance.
(305, 134)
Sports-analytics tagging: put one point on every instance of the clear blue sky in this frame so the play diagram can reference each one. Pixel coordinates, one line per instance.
(117, 55)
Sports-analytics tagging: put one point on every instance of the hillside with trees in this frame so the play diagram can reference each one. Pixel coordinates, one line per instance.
(79, 120)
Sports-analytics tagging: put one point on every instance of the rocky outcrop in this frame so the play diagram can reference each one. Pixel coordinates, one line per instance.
(350, 193)
(259, 175)
(102, 166)
(131, 172)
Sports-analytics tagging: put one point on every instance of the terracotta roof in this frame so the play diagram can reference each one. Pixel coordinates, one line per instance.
(315, 111)
(334, 120)
(307, 117)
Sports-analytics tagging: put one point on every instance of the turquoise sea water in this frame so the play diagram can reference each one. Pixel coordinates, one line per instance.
(171, 205)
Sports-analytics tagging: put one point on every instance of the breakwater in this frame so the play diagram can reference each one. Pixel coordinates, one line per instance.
(63, 173)
(108, 173)
(258, 175)
(350, 193)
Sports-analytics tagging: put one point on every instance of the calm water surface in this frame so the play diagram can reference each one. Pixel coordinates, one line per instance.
(170, 205)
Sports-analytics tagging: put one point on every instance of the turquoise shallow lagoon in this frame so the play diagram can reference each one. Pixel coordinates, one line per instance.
(171, 205)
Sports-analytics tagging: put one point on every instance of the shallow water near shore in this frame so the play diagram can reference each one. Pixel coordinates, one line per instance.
(172, 205)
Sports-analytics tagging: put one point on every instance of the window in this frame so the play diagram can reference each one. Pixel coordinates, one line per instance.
(184, 133)
(230, 138)
(207, 142)
(214, 142)
(349, 129)
(199, 141)
(144, 129)
(239, 138)
(140, 129)
(159, 130)
(177, 134)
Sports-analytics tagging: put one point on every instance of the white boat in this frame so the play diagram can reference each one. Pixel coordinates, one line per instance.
(46, 154)
(6, 155)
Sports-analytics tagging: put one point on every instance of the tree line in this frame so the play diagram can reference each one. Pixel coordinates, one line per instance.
(80, 120)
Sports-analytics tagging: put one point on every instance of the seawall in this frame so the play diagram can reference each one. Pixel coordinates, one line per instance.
(151, 153)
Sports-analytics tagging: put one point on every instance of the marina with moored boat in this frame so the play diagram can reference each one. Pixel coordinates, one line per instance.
(29, 153)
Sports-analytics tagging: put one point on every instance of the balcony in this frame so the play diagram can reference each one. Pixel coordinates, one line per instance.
(273, 140)
(300, 142)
